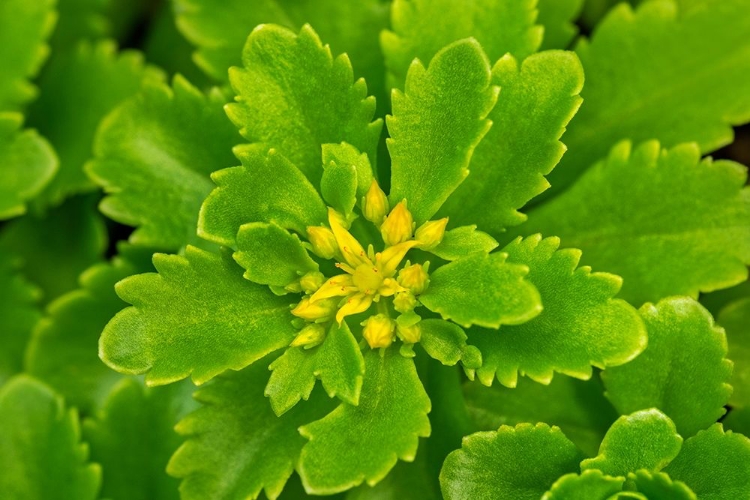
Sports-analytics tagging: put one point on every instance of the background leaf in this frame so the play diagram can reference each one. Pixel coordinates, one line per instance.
(558, 18)
(735, 318)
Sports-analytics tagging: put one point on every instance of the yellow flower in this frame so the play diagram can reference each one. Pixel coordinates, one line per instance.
(375, 204)
(398, 226)
(378, 331)
(430, 234)
(323, 241)
(309, 336)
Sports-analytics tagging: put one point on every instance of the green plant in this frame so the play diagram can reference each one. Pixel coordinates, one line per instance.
(417, 310)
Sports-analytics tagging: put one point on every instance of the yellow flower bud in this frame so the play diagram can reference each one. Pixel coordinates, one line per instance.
(414, 278)
(309, 336)
(398, 226)
(311, 281)
(410, 334)
(375, 204)
(430, 234)
(404, 302)
(320, 310)
(323, 241)
(378, 331)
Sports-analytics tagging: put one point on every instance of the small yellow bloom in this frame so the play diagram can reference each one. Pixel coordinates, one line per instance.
(404, 302)
(338, 286)
(311, 281)
(430, 234)
(378, 331)
(414, 278)
(354, 254)
(398, 226)
(318, 311)
(323, 241)
(375, 204)
(355, 304)
(410, 334)
(309, 336)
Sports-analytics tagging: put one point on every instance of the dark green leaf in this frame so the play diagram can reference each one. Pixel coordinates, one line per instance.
(735, 318)
(558, 18)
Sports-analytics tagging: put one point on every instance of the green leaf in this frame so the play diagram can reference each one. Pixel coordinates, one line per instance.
(266, 188)
(714, 464)
(320, 103)
(391, 415)
(62, 351)
(154, 154)
(40, 449)
(422, 27)
(24, 28)
(437, 121)
(338, 363)
(738, 420)
(462, 241)
(581, 325)
(443, 340)
(659, 486)
(80, 20)
(407, 481)
(735, 318)
(197, 316)
(513, 463)
(132, 437)
(339, 186)
(667, 222)
(589, 485)
(28, 163)
(78, 89)
(660, 74)
(18, 315)
(578, 407)
(347, 155)
(558, 18)
(236, 445)
(537, 100)
(58, 246)
(271, 255)
(643, 440)
(683, 371)
(482, 289)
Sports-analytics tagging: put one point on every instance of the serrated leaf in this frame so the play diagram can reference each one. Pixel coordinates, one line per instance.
(462, 241)
(659, 486)
(735, 318)
(537, 100)
(56, 247)
(578, 407)
(27, 163)
(714, 464)
(581, 325)
(513, 463)
(667, 222)
(24, 28)
(558, 18)
(443, 340)
(271, 255)
(646, 439)
(338, 363)
(132, 438)
(407, 481)
(339, 186)
(154, 155)
(589, 485)
(321, 104)
(266, 188)
(683, 371)
(62, 351)
(77, 90)
(693, 88)
(346, 154)
(236, 445)
(422, 27)
(198, 316)
(437, 122)
(386, 425)
(41, 453)
(482, 289)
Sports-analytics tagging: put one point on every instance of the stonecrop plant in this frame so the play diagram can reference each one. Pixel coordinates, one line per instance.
(375, 249)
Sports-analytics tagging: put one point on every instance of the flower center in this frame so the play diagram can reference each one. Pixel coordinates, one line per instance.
(367, 279)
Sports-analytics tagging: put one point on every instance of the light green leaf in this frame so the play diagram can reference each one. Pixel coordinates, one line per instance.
(338, 363)
(271, 255)
(659, 486)
(27, 163)
(735, 318)
(643, 440)
(693, 88)
(133, 436)
(462, 241)
(41, 453)
(443, 340)
(320, 103)
(154, 154)
(714, 464)
(58, 246)
(24, 28)
(537, 100)
(437, 121)
(422, 27)
(266, 188)
(339, 186)
(482, 289)
(236, 445)
(197, 316)
(62, 351)
(581, 325)
(667, 222)
(589, 485)
(78, 89)
(513, 463)
(558, 18)
(683, 371)
(385, 426)
(346, 154)
(578, 407)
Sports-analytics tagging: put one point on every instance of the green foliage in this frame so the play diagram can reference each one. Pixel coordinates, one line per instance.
(557, 17)
(591, 484)
(735, 318)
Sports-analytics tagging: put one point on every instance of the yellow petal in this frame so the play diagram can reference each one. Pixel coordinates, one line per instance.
(391, 257)
(354, 305)
(353, 252)
(338, 286)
